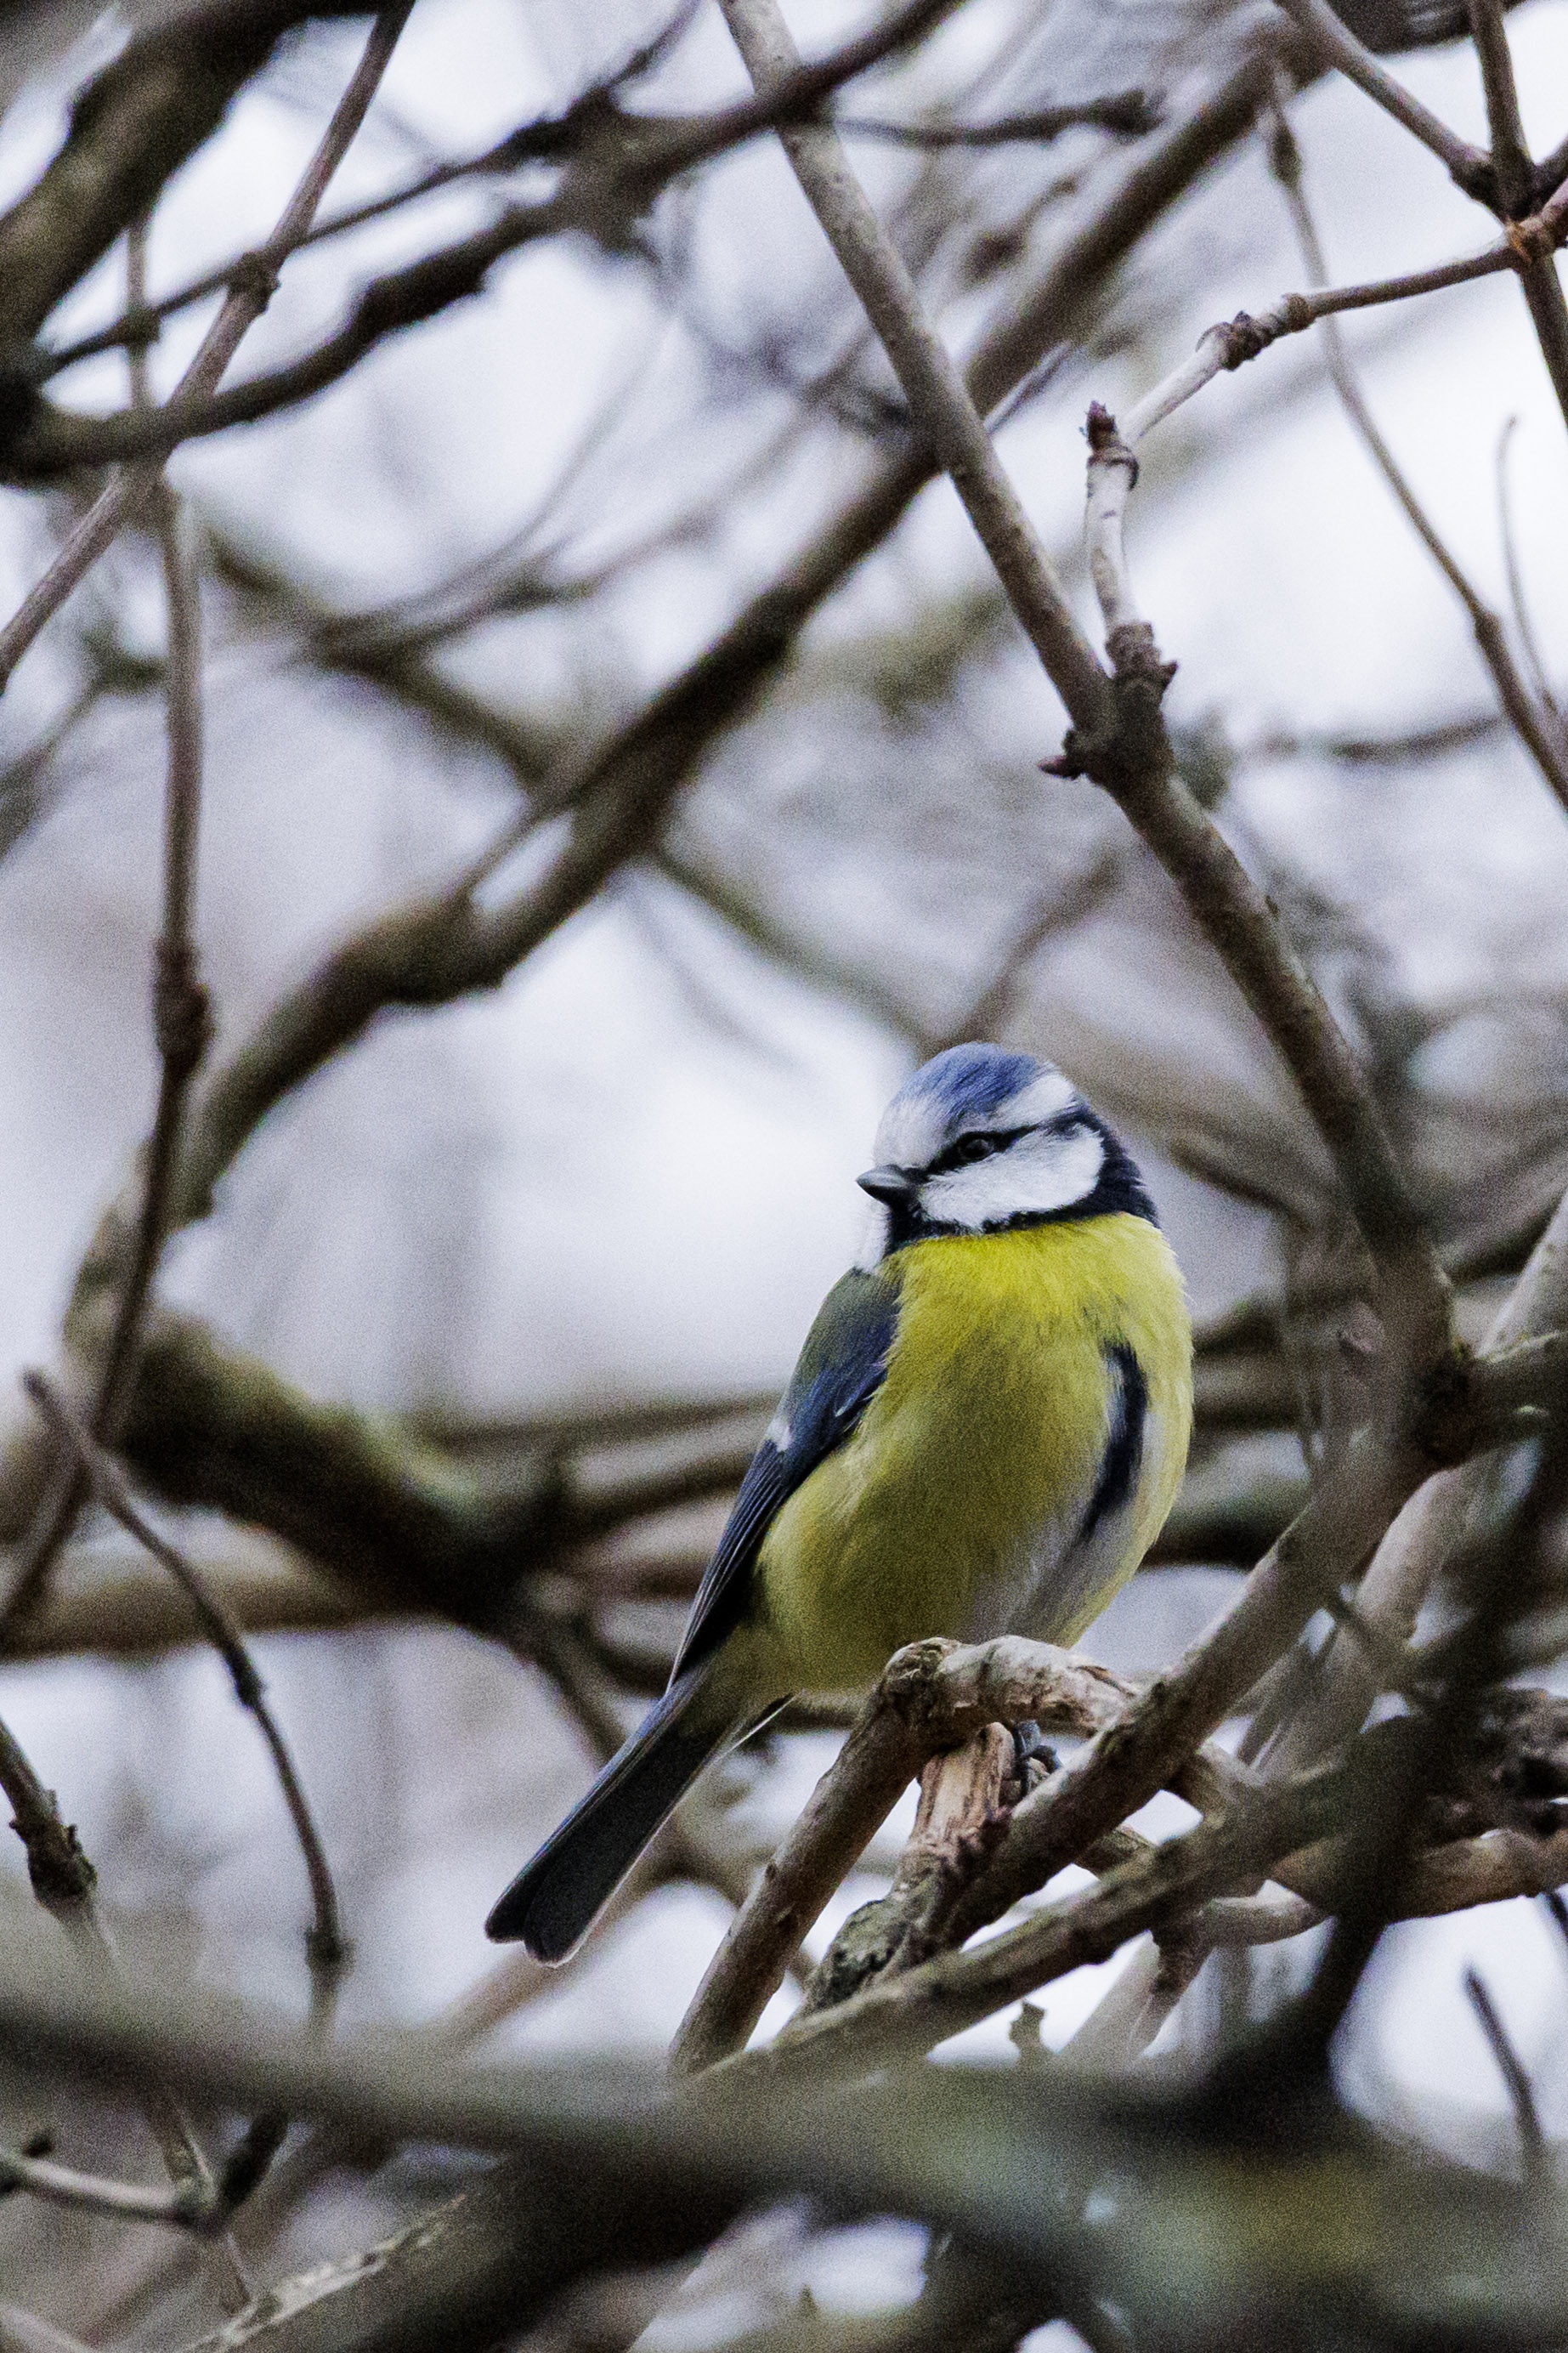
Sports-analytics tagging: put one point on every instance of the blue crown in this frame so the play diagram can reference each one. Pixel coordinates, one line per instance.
(972, 1081)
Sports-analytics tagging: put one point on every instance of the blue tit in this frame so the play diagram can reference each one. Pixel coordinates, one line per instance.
(987, 1428)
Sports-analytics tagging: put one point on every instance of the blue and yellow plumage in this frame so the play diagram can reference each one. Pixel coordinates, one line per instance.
(985, 1431)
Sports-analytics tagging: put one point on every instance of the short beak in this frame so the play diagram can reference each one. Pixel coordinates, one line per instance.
(889, 1185)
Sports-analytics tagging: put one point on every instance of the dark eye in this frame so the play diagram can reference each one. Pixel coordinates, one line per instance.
(970, 1148)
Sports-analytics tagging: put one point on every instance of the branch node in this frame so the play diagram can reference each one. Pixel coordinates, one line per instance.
(1106, 447)
(1135, 662)
(58, 1868)
(327, 1950)
(141, 327)
(1242, 338)
(181, 1008)
(255, 278)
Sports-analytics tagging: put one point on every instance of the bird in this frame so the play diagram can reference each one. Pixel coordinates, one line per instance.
(985, 1432)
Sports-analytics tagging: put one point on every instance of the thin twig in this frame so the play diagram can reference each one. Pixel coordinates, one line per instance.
(1338, 46)
(1514, 175)
(181, 2205)
(1512, 163)
(63, 1880)
(1538, 735)
(325, 1944)
(1505, 182)
(180, 1012)
(1128, 113)
(1515, 575)
(1510, 2067)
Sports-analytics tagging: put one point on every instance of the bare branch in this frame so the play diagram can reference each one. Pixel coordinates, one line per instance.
(1122, 1770)
(1514, 177)
(325, 1944)
(63, 1880)
(1517, 598)
(614, 165)
(1336, 45)
(181, 1019)
(924, 2006)
(23, 2332)
(246, 302)
(1536, 730)
(1532, 2138)
(1511, 165)
(160, 101)
(1128, 113)
(612, 2150)
(931, 379)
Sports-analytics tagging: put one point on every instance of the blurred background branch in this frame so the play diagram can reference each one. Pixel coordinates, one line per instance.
(619, 764)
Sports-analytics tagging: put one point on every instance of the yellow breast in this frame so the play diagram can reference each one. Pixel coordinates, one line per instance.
(960, 1497)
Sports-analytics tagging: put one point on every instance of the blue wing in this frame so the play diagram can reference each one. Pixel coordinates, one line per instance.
(841, 1367)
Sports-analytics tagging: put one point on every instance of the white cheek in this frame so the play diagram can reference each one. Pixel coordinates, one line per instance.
(1031, 1178)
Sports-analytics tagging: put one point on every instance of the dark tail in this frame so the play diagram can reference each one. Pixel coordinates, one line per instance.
(552, 1903)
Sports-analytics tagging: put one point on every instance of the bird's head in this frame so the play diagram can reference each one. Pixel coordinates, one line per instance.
(979, 1140)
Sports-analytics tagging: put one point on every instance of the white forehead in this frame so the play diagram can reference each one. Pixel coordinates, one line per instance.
(917, 1123)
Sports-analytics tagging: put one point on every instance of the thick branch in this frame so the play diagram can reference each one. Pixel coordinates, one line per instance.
(482, 2267)
(956, 2148)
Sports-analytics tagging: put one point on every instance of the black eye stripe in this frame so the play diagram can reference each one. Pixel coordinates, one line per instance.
(980, 1144)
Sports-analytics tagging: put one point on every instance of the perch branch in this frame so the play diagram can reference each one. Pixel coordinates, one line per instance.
(130, 129)
(932, 1696)
(924, 2006)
